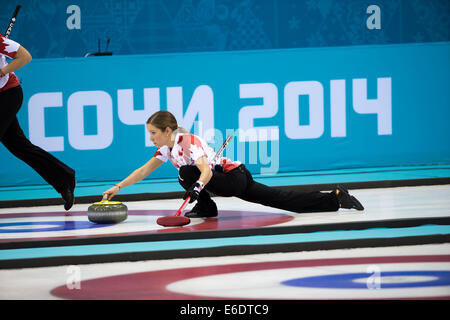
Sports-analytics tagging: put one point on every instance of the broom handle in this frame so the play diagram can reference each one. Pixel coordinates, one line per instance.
(185, 203)
(220, 151)
(12, 21)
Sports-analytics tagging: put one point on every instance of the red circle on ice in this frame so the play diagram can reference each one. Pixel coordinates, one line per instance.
(227, 219)
(153, 285)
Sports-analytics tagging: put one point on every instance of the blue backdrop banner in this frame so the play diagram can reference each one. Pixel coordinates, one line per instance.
(289, 110)
(74, 28)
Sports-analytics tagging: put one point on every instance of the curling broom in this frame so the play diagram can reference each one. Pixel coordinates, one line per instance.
(177, 219)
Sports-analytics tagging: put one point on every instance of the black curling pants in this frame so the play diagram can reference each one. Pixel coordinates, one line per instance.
(239, 183)
(55, 172)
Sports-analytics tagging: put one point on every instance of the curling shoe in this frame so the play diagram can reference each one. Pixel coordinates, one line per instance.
(202, 210)
(346, 200)
(68, 196)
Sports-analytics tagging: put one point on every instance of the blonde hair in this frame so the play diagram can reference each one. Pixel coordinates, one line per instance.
(163, 119)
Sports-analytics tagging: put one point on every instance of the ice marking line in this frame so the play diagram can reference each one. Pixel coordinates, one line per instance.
(84, 250)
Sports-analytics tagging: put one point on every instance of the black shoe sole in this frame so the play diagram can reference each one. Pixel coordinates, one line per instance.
(191, 214)
(355, 204)
(198, 216)
(206, 209)
(69, 197)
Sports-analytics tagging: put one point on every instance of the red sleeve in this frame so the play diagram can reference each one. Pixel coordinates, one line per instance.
(8, 47)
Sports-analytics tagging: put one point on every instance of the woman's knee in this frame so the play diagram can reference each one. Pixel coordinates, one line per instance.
(187, 175)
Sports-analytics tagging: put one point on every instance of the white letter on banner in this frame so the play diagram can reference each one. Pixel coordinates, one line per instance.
(337, 106)
(36, 106)
(269, 93)
(315, 128)
(73, 21)
(374, 21)
(201, 104)
(129, 116)
(75, 110)
(382, 106)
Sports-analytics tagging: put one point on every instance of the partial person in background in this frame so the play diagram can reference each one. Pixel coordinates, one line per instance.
(52, 170)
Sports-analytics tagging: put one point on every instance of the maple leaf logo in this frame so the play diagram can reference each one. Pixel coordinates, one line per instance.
(6, 48)
(2, 44)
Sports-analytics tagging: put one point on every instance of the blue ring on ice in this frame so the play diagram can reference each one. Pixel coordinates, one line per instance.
(9, 227)
(350, 280)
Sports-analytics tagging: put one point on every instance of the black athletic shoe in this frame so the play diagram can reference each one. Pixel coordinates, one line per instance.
(202, 210)
(68, 196)
(346, 200)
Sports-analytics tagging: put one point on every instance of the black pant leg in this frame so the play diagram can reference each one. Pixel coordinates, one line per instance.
(290, 200)
(239, 183)
(222, 184)
(232, 183)
(52, 170)
(10, 103)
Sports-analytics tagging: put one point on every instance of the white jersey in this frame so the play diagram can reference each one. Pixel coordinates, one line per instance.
(188, 148)
(8, 48)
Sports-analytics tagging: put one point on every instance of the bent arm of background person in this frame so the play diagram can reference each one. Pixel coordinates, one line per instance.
(136, 176)
(21, 58)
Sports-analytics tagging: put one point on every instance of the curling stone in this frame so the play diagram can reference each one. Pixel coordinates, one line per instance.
(107, 212)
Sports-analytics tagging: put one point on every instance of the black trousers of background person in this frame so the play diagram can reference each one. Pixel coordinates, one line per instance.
(239, 183)
(55, 172)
